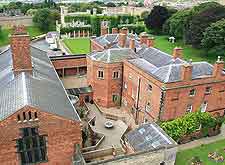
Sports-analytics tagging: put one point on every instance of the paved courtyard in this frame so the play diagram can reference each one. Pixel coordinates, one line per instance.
(112, 135)
(74, 81)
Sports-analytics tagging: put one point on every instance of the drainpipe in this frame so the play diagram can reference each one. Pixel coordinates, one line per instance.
(162, 99)
(121, 91)
(137, 102)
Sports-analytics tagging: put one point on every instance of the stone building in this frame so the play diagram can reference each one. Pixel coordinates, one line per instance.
(154, 85)
(38, 123)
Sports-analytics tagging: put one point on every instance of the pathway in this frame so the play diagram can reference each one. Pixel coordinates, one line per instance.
(206, 140)
(113, 135)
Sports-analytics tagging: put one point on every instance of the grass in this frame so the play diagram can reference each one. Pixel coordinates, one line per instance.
(161, 42)
(184, 157)
(4, 35)
(78, 46)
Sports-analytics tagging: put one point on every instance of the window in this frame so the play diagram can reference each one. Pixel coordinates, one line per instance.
(192, 92)
(125, 85)
(100, 74)
(162, 163)
(116, 75)
(115, 98)
(204, 106)
(31, 147)
(189, 108)
(148, 107)
(208, 90)
(133, 94)
(149, 88)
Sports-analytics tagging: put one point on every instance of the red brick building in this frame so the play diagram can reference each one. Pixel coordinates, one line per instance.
(38, 124)
(153, 85)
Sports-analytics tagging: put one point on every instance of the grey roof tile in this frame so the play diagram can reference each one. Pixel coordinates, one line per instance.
(42, 89)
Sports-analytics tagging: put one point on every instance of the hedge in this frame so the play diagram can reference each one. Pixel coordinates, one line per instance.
(189, 123)
(136, 28)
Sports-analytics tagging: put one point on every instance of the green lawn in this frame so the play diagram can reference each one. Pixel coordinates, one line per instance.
(78, 46)
(184, 157)
(162, 43)
(4, 39)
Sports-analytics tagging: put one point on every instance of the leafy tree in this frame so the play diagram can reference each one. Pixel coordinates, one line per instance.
(198, 24)
(214, 38)
(110, 4)
(157, 18)
(144, 15)
(45, 19)
(176, 23)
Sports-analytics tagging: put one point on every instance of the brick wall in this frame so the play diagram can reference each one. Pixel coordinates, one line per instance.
(104, 89)
(61, 133)
(176, 97)
(69, 63)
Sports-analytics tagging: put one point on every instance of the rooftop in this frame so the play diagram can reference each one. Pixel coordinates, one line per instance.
(148, 136)
(41, 89)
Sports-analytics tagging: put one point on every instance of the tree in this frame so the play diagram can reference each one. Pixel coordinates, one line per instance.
(144, 15)
(214, 38)
(199, 22)
(110, 4)
(45, 19)
(176, 23)
(157, 18)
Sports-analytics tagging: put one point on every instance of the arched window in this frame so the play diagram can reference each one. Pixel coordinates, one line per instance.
(29, 114)
(18, 118)
(24, 116)
(35, 115)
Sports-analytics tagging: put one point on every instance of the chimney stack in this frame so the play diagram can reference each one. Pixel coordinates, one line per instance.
(122, 40)
(218, 68)
(150, 42)
(144, 38)
(132, 43)
(20, 46)
(104, 30)
(114, 30)
(186, 71)
(124, 30)
(177, 52)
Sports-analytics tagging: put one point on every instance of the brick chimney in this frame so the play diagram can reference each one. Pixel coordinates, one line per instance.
(177, 52)
(122, 40)
(186, 71)
(104, 30)
(124, 30)
(20, 45)
(132, 43)
(150, 42)
(144, 38)
(218, 68)
(114, 30)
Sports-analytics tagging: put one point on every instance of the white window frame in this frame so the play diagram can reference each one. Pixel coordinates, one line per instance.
(118, 75)
(102, 74)
(189, 108)
(204, 106)
(208, 91)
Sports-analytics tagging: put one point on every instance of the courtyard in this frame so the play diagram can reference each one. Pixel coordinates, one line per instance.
(78, 45)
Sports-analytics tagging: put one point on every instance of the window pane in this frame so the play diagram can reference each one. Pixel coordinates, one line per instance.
(25, 131)
(43, 154)
(34, 131)
(23, 157)
(20, 145)
(35, 144)
(37, 155)
(42, 141)
(29, 154)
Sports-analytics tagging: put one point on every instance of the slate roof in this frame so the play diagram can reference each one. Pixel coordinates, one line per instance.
(112, 39)
(113, 55)
(163, 67)
(42, 89)
(148, 136)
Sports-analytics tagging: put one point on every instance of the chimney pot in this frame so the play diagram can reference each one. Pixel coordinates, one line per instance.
(104, 30)
(186, 71)
(218, 68)
(122, 39)
(114, 30)
(177, 52)
(143, 38)
(150, 42)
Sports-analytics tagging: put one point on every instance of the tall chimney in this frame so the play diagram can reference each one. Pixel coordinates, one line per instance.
(150, 42)
(104, 30)
(124, 30)
(218, 68)
(20, 46)
(122, 40)
(132, 43)
(186, 71)
(144, 38)
(114, 30)
(177, 52)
